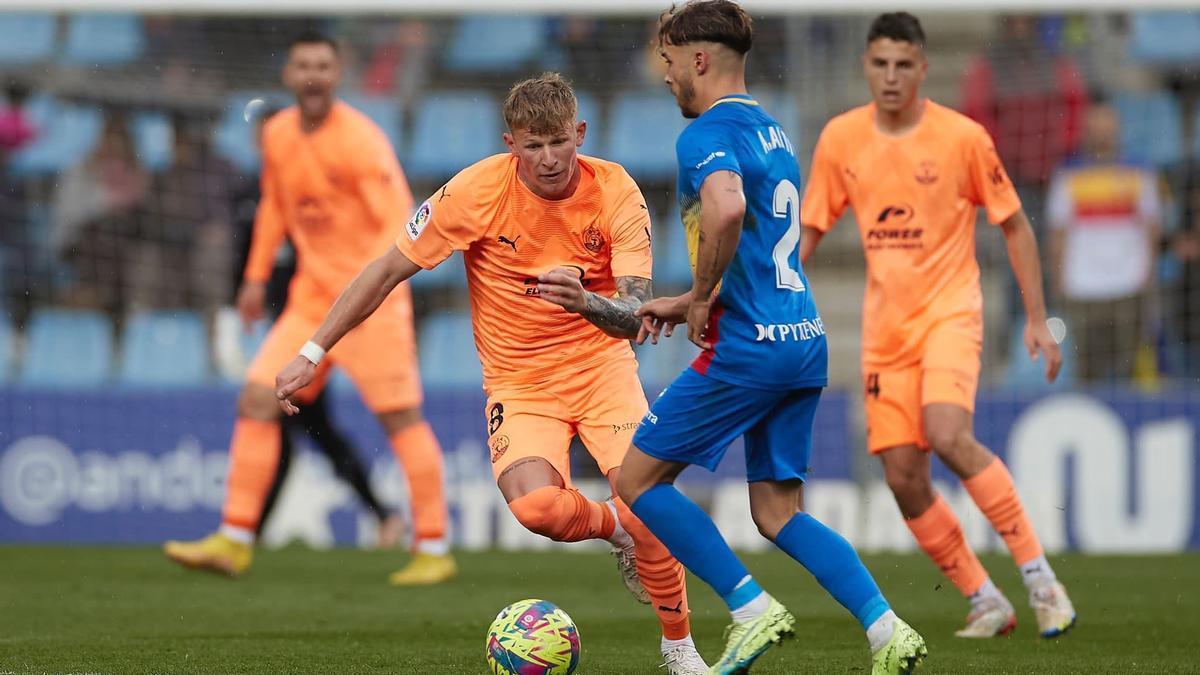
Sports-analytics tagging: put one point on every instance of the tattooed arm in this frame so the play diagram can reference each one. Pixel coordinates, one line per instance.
(615, 316)
(722, 208)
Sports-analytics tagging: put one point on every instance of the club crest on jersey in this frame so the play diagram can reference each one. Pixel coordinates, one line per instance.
(499, 446)
(420, 219)
(927, 173)
(593, 239)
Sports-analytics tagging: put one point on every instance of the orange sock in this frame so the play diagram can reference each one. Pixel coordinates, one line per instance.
(661, 575)
(253, 461)
(940, 535)
(418, 451)
(996, 495)
(563, 514)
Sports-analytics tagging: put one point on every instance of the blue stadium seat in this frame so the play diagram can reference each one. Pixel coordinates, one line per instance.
(1024, 374)
(450, 274)
(67, 348)
(453, 129)
(1165, 38)
(104, 39)
(1151, 127)
(233, 137)
(642, 128)
(153, 139)
(384, 111)
(27, 38)
(447, 351)
(164, 349)
(589, 111)
(66, 134)
(495, 43)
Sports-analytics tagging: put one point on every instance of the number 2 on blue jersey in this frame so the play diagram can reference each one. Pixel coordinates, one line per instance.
(787, 205)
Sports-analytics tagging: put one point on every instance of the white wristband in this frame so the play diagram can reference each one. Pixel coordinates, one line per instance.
(313, 352)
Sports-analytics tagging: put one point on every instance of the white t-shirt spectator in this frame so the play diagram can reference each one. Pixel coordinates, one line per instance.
(1107, 212)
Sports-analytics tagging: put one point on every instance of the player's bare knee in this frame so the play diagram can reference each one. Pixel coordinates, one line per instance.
(770, 521)
(960, 451)
(910, 487)
(258, 403)
(630, 487)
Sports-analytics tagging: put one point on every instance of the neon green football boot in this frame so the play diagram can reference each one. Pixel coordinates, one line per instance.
(902, 654)
(745, 642)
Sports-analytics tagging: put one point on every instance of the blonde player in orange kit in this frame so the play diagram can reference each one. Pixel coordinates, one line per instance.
(915, 172)
(331, 182)
(557, 250)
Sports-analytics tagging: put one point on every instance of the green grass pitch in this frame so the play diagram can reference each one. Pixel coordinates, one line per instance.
(126, 610)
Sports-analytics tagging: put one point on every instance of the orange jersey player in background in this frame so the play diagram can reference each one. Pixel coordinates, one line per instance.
(915, 173)
(557, 251)
(332, 183)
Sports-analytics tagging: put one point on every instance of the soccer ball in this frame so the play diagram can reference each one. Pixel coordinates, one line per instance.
(532, 637)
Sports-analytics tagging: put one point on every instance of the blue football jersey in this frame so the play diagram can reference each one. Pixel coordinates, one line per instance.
(764, 325)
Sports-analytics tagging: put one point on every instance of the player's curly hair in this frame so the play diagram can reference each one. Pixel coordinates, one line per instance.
(720, 21)
(542, 105)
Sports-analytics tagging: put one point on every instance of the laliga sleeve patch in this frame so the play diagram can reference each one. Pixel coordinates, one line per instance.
(419, 220)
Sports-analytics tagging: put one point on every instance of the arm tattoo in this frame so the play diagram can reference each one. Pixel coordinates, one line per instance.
(615, 316)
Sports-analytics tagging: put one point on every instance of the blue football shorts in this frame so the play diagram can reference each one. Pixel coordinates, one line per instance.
(696, 419)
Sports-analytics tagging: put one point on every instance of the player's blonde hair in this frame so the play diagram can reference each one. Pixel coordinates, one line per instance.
(541, 105)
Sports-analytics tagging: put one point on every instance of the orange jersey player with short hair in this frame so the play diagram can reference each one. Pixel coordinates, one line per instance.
(915, 174)
(557, 251)
(331, 182)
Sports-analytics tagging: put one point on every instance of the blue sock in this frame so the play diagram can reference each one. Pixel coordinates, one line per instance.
(690, 535)
(835, 564)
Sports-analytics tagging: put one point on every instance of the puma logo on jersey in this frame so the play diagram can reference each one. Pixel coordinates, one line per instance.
(511, 242)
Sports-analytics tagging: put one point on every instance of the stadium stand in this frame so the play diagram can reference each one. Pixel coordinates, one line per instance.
(447, 351)
(67, 348)
(495, 43)
(452, 130)
(27, 38)
(1164, 38)
(642, 127)
(67, 132)
(1151, 127)
(103, 39)
(164, 349)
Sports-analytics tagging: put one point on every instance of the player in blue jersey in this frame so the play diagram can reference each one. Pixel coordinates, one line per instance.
(764, 361)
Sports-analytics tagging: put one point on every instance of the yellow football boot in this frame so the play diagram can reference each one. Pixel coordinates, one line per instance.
(215, 553)
(425, 569)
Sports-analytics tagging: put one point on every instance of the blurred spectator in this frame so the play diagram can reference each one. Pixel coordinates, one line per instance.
(15, 127)
(17, 253)
(399, 64)
(1185, 246)
(1104, 214)
(183, 253)
(582, 42)
(1031, 101)
(98, 206)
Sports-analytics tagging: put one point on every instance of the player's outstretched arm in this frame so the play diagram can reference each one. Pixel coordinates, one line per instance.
(722, 208)
(615, 316)
(1023, 256)
(360, 299)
